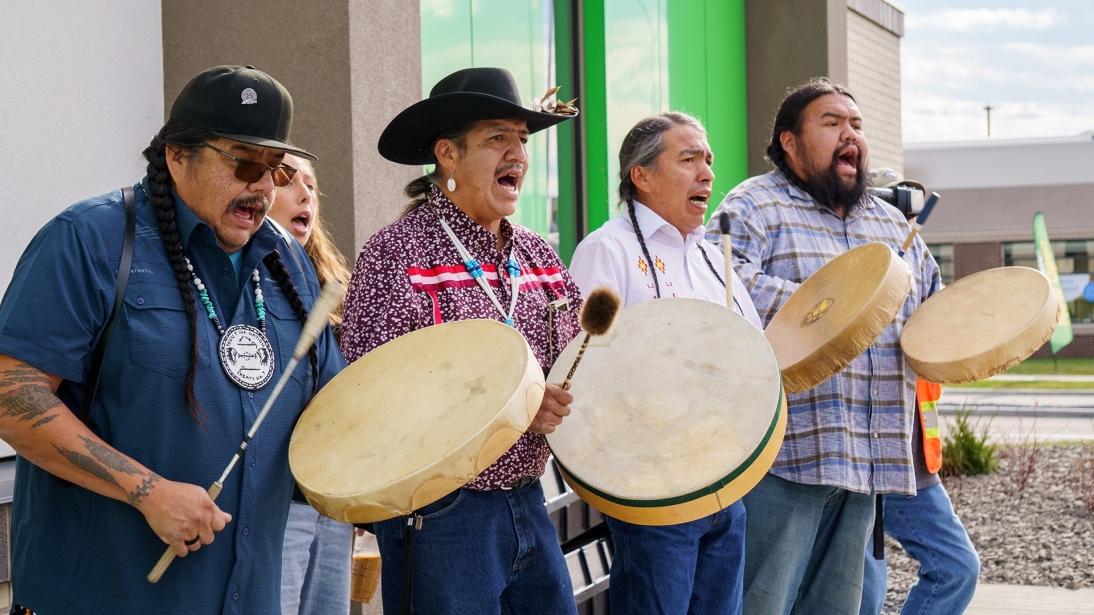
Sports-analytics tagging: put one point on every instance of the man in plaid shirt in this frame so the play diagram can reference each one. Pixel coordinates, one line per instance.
(848, 438)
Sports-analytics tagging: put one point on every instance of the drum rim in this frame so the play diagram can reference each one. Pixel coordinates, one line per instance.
(698, 493)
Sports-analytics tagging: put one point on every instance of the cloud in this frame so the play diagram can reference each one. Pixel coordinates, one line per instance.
(952, 118)
(962, 20)
(1080, 54)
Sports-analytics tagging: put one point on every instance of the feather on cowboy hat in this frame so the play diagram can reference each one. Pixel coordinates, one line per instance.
(465, 96)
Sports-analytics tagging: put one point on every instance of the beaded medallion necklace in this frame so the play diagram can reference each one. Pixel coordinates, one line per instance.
(245, 353)
(512, 267)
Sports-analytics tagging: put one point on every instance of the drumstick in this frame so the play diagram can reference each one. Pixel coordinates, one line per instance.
(727, 251)
(597, 316)
(317, 320)
(919, 221)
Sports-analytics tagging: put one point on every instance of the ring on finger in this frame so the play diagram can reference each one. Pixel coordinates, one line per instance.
(193, 542)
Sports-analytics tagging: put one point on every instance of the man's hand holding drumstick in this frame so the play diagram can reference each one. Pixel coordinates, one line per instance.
(597, 316)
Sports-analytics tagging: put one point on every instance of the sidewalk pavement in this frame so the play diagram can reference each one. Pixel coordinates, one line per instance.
(1031, 600)
(1043, 378)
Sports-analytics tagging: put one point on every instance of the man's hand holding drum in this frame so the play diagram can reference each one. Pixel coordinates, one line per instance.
(555, 407)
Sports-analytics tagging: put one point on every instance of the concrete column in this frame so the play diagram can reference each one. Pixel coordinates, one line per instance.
(350, 66)
(788, 43)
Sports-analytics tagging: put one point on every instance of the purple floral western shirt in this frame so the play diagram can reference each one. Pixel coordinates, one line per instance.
(410, 276)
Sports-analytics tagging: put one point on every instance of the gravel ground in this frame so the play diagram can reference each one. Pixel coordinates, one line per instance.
(1037, 533)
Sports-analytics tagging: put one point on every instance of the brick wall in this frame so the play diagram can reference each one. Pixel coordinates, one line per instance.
(969, 258)
(873, 75)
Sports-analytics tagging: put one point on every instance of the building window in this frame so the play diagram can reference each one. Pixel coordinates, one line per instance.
(1074, 260)
(943, 255)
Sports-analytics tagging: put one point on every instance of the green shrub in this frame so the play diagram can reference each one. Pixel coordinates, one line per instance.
(965, 449)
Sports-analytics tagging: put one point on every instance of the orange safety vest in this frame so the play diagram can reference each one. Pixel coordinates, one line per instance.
(926, 395)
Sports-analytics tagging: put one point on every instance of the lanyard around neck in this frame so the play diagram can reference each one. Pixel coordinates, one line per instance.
(475, 269)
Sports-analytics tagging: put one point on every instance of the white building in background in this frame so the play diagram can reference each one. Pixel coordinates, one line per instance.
(990, 192)
(82, 97)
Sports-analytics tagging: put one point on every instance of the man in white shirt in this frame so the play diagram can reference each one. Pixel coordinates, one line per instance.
(657, 250)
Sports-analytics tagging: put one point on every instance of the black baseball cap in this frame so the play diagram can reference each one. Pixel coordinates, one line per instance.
(240, 103)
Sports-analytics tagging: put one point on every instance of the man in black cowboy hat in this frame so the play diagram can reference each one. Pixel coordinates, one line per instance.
(210, 314)
(454, 256)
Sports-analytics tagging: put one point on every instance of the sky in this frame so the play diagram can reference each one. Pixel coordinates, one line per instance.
(1033, 61)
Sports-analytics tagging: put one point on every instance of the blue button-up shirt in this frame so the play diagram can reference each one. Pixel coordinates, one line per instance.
(853, 430)
(74, 551)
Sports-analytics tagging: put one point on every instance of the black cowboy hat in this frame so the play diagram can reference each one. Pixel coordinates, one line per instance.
(465, 96)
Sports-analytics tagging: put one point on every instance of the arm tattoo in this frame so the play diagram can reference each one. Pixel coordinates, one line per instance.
(142, 489)
(110, 457)
(29, 402)
(23, 374)
(87, 464)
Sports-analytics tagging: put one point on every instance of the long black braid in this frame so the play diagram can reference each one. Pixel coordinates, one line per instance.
(187, 139)
(645, 250)
(284, 281)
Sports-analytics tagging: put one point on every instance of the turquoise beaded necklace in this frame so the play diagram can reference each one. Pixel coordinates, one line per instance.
(245, 352)
(512, 267)
(203, 295)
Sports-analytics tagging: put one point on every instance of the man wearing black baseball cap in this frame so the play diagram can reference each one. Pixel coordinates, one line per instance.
(180, 305)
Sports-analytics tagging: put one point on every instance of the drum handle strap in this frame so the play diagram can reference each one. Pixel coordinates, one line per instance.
(879, 529)
(98, 355)
(413, 524)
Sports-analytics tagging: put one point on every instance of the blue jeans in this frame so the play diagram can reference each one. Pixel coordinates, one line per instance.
(694, 568)
(480, 553)
(803, 548)
(315, 563)
(932, 534)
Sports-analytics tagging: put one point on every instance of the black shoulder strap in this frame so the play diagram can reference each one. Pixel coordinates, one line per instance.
(97, 356)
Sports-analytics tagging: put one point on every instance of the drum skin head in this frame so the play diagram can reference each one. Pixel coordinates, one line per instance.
(837, 314)
(981, 325)
(415, 419)
(678, 411)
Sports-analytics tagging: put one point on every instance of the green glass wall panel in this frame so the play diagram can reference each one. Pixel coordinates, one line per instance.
(566, 208)
(516, 36)
(707, 78)
(637, 69)
(596, 115)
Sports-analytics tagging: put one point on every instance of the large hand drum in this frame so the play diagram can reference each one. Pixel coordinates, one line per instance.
(678, 411)
(415, 419)
(981, 325)
(837, 313)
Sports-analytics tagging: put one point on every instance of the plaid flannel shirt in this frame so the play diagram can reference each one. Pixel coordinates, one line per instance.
(853, 430)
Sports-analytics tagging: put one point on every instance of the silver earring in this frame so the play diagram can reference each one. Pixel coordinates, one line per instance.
(451, 185)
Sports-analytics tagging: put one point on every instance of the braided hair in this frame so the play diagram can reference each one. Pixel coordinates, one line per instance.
(189, 140)
(642, 147)
(280, 273)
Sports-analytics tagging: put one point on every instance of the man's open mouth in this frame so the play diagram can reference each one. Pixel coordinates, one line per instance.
(248, 210)
(700, 199)
(509, 181)
(848, 158)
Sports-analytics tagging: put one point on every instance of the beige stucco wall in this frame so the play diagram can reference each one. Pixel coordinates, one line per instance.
(873, 67)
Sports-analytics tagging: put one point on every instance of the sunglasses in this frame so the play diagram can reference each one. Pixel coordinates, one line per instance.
(252, 171)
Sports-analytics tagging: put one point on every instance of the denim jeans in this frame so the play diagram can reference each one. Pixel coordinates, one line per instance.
(803, 548)
(315, 564)
(480, 553)
(694, 568)
(932, 534)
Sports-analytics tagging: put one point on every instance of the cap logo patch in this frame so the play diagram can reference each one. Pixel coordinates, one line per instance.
(249, 97)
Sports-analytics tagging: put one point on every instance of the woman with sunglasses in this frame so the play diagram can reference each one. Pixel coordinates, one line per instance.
(315, 562)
